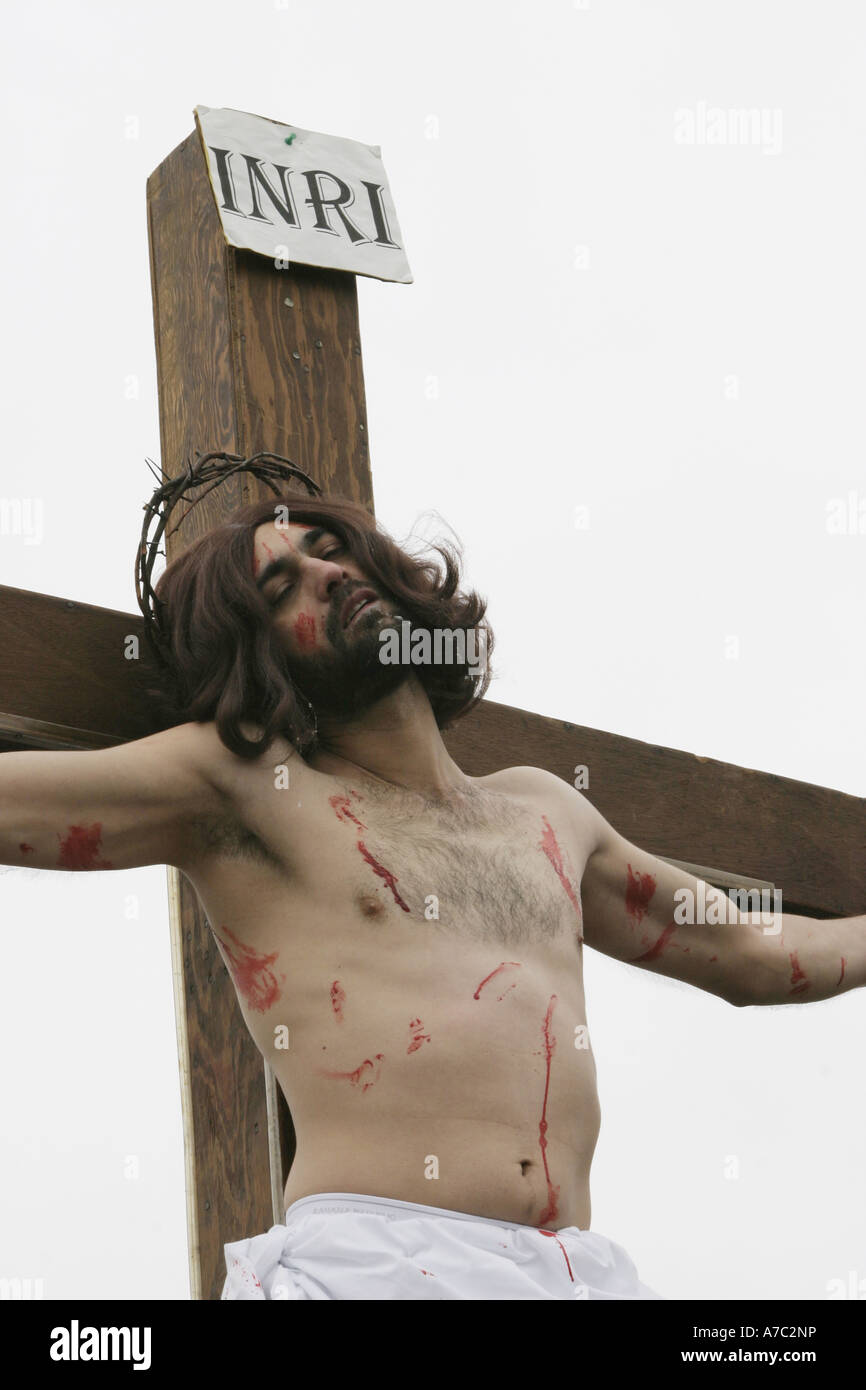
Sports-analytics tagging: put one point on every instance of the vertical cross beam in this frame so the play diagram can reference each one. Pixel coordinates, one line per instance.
(249, 358)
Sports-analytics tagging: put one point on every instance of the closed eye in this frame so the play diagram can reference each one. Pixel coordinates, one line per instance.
(287, 588)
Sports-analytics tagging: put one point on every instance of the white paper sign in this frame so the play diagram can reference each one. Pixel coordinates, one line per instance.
(296, 195)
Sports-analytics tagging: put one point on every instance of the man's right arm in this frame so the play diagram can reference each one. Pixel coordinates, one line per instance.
(114, 808)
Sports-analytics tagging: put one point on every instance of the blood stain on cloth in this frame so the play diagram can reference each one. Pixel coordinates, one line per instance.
(797, 975)
(549, 1213)
(503, 966)
(253, 972)
(418, 1035)
(245, 1274)
(562, 1248)
(341, 807)
(355, 1077)
(639, 890)
(338, 999)
(80, 848)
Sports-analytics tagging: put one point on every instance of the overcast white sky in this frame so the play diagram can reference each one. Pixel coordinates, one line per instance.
(667, 334)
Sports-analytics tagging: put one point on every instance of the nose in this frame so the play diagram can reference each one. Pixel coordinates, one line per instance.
(329, 577)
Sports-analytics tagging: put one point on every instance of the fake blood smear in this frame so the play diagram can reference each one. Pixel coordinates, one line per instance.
(418, 1035)
(26, 849)
(338, 999)
(504, 966)
(562, 1248)
(797, 975)
(252, 973)
(355, 1077)
(304, 629)
(245, 1274)
(342, 810)
(551, 848)
(842, 971)
(266, 547)
(655, 951)
(384, 873)
(638, 893)
(80, 848)
(549, 1213)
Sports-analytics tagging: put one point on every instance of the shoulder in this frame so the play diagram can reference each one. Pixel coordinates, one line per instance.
(530, 779)
(538, 784)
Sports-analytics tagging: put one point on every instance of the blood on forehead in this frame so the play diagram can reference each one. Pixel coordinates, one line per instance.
(282, 535)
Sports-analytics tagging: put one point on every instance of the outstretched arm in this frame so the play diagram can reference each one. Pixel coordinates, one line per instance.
(114, 808)
(637, 909)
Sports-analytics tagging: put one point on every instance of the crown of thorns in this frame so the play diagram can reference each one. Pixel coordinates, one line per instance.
(212, 468)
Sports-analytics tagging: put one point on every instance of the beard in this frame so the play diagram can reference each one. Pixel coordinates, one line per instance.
(345, 680)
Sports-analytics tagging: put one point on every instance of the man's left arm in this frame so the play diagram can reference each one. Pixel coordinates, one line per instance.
(637, 908)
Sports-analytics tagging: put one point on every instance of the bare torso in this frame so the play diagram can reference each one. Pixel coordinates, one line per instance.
(422, 961)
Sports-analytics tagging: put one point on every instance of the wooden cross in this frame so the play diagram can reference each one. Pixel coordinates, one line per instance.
(252, 358)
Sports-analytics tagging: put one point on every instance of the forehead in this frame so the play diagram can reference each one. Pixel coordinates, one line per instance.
(271, 541)
(286, 537)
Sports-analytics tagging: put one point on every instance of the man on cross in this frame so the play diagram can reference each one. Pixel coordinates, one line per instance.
(405, 941)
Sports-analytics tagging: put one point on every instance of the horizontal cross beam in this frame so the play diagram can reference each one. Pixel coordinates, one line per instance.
(65, 682)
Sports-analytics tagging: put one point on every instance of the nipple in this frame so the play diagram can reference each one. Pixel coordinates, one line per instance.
(370, 905)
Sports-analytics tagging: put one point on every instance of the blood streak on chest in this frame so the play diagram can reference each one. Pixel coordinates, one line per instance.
(80, 848)
(338, 999)
(304, 628)
(418, 1035)
(797, 975)
(549, 1213)
(639, 890)
(342, 810)
(252, 972)
(361, 1076)
(504, 966)
(551, 848)
(842, 971)
(26, 849)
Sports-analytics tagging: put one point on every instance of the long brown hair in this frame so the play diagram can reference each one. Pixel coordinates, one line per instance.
(223, 662)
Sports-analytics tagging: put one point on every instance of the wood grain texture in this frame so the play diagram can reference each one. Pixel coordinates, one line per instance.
(63, 662)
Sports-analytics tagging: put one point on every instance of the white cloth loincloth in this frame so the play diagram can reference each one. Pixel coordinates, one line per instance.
(348, 1246)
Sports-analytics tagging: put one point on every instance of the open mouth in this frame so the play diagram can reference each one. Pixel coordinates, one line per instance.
(360, 609)
(356, 604)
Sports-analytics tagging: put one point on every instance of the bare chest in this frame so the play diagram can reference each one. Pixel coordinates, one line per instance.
(497, 869)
